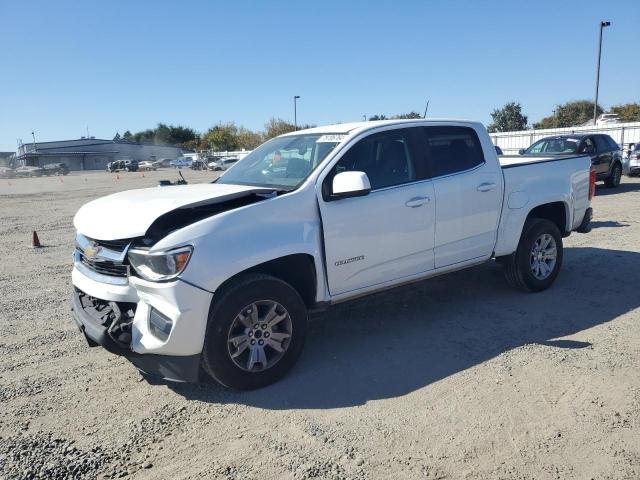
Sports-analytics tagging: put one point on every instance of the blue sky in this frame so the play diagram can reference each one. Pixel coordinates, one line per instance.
(121, 65)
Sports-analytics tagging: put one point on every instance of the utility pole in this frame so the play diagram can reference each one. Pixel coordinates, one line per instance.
(603, 24)
(295, 111)
(425, 110)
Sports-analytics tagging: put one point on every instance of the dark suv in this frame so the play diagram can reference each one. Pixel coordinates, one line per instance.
(126, 165)
(605, 153)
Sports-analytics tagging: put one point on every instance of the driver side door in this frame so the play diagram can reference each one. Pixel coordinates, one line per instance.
(387, 234)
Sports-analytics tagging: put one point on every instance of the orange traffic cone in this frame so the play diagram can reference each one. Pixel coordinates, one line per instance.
(35, 242)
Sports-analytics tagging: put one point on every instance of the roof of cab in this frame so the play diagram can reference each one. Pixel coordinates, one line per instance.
(357, 127)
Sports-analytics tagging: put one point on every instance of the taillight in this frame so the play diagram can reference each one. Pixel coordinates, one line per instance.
(592, 182)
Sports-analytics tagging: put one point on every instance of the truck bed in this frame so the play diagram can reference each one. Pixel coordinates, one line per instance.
(509, 161)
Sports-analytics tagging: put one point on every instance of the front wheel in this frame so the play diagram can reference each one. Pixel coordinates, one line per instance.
(536, 263)
(614, 179)
(255, 332)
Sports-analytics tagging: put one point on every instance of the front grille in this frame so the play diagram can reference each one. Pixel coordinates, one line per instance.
(116, 245)
(104, 267)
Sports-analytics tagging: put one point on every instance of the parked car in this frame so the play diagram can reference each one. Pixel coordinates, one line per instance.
(119, 165)
(223, 163)
(164, 162)
(353, 213)
(605, 153)
(7, 172)
(632, 164)
(181, 162)
(147, 165)
(56, 169)
(29, 171)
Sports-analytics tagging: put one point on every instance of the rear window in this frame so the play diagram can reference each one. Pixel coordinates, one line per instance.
(453, 149)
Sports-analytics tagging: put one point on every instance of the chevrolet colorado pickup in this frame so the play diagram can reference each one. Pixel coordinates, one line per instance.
(190, 281)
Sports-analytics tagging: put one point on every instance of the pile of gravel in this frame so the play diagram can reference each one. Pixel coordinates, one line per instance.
(43, 456)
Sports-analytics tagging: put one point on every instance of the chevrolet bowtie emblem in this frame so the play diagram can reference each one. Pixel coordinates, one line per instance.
(92, 250)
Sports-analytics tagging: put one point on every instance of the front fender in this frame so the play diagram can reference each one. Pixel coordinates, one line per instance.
(234, 241)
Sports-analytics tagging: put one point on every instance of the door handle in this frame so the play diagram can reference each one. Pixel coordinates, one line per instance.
(416, 202)
(485, 187)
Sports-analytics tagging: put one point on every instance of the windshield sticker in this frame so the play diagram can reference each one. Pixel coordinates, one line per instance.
(334, 138)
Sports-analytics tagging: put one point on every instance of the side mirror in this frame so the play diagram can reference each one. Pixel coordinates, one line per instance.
(521, 151)
(350, 184)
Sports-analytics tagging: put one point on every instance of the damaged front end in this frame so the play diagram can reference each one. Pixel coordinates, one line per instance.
(115, 317)
(109, 325)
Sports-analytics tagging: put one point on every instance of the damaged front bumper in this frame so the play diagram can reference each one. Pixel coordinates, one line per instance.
(118, 319)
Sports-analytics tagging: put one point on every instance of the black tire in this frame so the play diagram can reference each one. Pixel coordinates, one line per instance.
(517, 267)
(216, 357)
(613, 180)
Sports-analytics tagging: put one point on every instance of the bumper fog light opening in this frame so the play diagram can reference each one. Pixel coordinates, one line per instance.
(159, 325)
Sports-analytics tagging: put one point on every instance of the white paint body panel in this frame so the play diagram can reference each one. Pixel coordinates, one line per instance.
(458, 226)
(130, 213)
(376, 238)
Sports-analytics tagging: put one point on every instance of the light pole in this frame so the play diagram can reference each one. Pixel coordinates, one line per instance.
(295, 111)
(603, 24)
(364, 118)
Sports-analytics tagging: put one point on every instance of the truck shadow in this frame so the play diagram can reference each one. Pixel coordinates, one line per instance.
(624, 187)
(393, 343)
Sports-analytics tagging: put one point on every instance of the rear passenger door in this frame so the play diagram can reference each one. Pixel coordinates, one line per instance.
(468, 192)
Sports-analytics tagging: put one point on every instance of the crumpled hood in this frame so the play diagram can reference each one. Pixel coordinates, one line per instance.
(129, 214)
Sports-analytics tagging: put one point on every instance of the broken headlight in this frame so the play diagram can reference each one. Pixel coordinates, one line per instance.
(159, 266)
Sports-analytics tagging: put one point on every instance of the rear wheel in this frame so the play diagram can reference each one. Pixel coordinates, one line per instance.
(537, 261)
(255, 333)
(614, 179)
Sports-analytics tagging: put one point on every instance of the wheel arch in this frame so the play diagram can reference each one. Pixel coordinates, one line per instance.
(298, 270)
(556, 212)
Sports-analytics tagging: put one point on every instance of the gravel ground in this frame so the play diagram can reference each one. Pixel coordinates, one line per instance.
(454, 377)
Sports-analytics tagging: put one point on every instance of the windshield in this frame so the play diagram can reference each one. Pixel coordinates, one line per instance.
(283, 162)
(555, 145)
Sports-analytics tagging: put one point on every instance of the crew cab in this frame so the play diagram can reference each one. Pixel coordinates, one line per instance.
(217, 279)
(606, 155)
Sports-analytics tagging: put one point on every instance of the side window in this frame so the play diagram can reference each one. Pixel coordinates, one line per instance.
(453, 149)
(385, 157)
(587, 146)
(612, 143)
(601, 144)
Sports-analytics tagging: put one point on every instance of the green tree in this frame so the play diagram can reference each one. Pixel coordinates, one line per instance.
(628, 112)
(223, 136)
(411, 115)
(508, 118)
(570, 114)
(116, 137)
(127, 136)
(248, 139)
(165, 134)
(377, 117)
(277, 126)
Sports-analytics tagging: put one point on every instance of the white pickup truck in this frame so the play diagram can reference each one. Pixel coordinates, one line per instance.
(189, 281)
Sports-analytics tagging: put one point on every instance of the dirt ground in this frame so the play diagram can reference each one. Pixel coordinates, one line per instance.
(454, 377)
